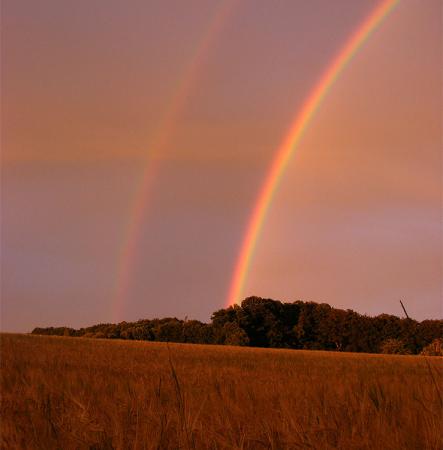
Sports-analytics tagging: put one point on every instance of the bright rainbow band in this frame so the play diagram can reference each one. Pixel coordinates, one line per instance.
(291, 141)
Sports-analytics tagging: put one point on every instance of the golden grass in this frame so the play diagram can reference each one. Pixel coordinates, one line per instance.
(72, 393)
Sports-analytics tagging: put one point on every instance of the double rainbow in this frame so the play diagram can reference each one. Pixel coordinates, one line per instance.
(291, 141)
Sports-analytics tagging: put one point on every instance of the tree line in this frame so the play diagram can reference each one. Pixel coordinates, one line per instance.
(260, 322)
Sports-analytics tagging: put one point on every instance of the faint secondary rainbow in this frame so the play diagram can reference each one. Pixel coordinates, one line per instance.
(163, 137)
(291, 141)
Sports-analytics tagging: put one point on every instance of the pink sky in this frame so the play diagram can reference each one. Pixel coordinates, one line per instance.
(356, 222)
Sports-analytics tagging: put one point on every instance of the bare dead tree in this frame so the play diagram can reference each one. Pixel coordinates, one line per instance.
(426, 359)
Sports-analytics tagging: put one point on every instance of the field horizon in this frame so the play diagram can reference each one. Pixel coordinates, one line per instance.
(268, 323)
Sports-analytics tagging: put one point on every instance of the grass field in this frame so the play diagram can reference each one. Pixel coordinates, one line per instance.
(73, 393)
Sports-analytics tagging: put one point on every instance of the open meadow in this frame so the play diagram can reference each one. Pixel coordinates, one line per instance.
(71, 393)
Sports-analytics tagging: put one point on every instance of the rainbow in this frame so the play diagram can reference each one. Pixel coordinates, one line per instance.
(291, 141)
(159, 143)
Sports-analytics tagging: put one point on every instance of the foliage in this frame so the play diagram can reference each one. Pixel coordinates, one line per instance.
(394, 346)
(260, 322)
(435, 348)
(234, 335)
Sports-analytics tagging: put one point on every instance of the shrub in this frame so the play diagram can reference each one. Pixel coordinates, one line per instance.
(435, 348)
(394, 347)
(234, 335)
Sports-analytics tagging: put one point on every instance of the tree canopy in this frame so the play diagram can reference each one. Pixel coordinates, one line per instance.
(260, 322)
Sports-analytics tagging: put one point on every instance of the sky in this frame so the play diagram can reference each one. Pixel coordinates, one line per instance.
(87, 88)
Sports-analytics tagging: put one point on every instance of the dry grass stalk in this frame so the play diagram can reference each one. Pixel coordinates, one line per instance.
(100, 394)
